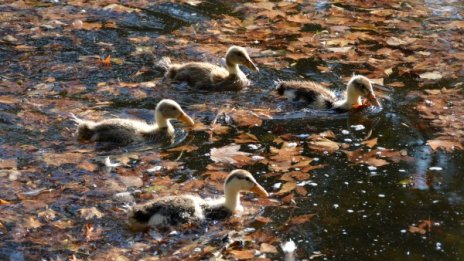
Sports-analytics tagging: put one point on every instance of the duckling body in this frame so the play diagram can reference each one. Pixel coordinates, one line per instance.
(211, 77)
(188, 209)
(124, 131)
(319, 97)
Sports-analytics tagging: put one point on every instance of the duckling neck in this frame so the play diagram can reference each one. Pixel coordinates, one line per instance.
(161, 121)
(349, 101)
(232, 201)
(233, 69)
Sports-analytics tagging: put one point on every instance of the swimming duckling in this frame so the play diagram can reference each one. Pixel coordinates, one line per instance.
(124, 131)
(319, 97)
(212, 77)
(188, 209)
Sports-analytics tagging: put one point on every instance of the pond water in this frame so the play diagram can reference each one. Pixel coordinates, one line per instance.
(362, 212)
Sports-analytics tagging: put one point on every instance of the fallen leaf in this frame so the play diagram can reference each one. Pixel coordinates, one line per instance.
(4, 202)
(227, 154)
(431, 75)
(243, 254)
(340, 49)
(262, 219)
(185, 148)
(447, 145)
(370, 143)
(301, 219)
(245, 118)
(245, 138)
(287, 187)
(267, 248)
(90, 213)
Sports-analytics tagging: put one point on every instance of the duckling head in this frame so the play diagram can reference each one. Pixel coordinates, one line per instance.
(169, 109)
(361, 86)
(237, 181)
(238, 55)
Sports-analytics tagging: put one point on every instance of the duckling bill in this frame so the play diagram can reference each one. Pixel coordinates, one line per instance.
(189, 209)
(211, 77)
(319, 97)
(124, 131)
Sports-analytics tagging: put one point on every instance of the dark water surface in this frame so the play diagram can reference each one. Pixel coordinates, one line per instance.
(362, 213)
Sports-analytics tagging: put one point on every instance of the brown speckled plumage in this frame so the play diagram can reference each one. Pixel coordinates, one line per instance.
(188, 209)
(125, 131)
(319, 97)
(211, 77)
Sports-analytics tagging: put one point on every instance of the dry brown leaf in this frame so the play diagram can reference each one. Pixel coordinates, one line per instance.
(295, 176)
(262, 219)
(431, 75)
(301, 219)
(245, 138)
(228, 154)
(323, 144)
(287, 187)
(245, 118)
(370, 143)
(4, 202)
(299, 18)
(447, 145)
(32, 222)
(185, 148)
(243, 254)
(267, 248)
(90, 213)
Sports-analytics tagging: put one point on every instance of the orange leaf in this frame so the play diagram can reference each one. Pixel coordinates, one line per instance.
(301, 219)
(88, 231)
(4, 202)
(243, 254)
(287, 187)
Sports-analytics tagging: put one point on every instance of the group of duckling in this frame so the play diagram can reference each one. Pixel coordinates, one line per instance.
(174, 210)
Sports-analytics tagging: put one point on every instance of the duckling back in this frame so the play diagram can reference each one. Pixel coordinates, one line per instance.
(167, 211)
(313, 94)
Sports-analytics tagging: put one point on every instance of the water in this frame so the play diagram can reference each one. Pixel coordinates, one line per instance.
(361, 212)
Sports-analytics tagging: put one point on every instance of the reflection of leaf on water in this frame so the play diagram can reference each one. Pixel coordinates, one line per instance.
(360, 156)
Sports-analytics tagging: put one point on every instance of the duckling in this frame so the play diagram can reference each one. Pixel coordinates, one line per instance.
(211, 77)
(318, 97)
(192, 210)
(124, 131)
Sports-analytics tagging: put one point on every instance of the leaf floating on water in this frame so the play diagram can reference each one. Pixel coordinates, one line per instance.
(431, 75)
(88, 231)
(228, 154)
(90, 213)
(245, 118)
(370, 143)
(4, 202)
(287, 187)
(245, 138)
(243, 254)
(267, 248)
(301, 219)
(447, 145)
